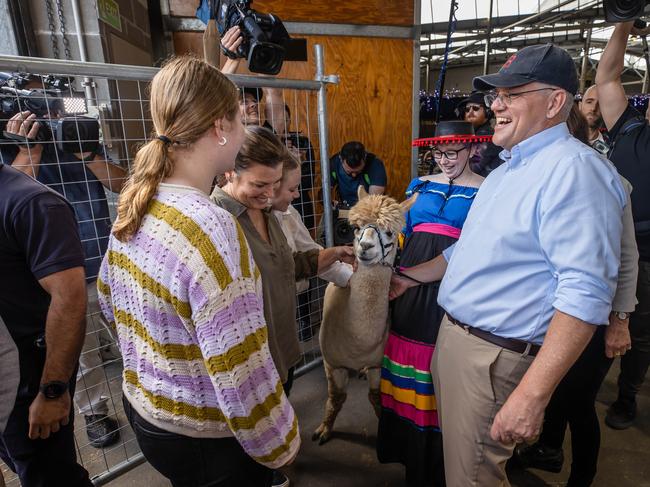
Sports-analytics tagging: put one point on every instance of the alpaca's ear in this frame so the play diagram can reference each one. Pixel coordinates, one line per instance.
(406, 204)
(361, 192)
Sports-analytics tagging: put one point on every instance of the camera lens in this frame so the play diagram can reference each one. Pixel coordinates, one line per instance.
(623, 10)
(265, 58)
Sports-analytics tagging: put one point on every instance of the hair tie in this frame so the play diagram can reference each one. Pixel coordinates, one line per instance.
(165, 139)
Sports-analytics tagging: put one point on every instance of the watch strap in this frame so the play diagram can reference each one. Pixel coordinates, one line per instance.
(53, 389)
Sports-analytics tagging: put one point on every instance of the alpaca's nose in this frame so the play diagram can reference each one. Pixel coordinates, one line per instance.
(365, 245)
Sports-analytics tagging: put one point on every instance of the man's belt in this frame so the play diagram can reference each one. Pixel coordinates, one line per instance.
(511, 344)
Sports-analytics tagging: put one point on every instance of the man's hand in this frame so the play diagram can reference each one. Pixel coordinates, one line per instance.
(46, 416)
(24, 124)
(398, 286)
(519, 420)
(230, 41)
(617, 337)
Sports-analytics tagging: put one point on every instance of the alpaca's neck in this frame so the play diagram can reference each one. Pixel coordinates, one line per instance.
(373, 280)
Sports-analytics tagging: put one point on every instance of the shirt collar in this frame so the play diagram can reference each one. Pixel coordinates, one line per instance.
(227, 202)
(526, 149)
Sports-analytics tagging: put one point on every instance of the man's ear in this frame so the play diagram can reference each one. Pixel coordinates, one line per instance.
(556, 102)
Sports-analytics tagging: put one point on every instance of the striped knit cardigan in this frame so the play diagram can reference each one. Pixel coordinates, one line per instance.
(185, 297)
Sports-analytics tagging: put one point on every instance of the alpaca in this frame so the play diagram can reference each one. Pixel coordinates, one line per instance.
(354, 328)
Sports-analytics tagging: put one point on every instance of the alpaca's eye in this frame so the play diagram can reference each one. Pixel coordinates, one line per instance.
(389, 234)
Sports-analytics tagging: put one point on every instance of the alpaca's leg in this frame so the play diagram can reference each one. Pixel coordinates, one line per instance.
(374, 396)
(337, 386)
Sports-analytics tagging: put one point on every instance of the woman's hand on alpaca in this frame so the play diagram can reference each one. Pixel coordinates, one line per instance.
(327, 257)
(345, 254)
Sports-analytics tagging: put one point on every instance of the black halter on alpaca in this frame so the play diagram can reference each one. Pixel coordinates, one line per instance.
(385, 248)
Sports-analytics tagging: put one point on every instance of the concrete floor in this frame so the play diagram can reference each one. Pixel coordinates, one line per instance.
(349, 460)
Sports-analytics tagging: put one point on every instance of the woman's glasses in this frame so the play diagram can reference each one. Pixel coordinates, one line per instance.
(451, 155)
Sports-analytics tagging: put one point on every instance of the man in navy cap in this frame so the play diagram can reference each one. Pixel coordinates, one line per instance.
(532, 275)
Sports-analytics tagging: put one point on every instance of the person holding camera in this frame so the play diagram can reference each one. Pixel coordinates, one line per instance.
(82, 179)
(277, 119)
(629, 134)
(43, 304)
(352, 167)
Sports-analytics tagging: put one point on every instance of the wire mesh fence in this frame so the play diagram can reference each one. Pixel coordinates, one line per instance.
(76, 127)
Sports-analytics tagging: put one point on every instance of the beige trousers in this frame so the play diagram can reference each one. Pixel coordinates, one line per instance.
(472, 379)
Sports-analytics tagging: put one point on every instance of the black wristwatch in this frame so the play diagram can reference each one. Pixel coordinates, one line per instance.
(621, 315)
(54, 389)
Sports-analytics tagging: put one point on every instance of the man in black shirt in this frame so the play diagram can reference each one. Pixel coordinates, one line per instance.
(629, 138)
(43, 304)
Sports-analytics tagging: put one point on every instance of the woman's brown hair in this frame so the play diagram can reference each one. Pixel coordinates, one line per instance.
(187, 97)
(261, 146)
(578, 125)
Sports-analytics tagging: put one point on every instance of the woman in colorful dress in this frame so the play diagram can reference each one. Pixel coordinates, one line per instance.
(408, 425)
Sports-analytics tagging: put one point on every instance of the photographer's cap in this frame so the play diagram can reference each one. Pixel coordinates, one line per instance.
(545, 63)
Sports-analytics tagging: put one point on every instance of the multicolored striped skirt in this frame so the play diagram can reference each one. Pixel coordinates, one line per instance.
(406, 384)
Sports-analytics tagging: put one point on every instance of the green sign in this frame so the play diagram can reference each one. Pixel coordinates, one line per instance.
(109, 12)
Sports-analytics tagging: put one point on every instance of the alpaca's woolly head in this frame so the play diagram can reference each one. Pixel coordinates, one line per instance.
(380, 210)
(377, 220)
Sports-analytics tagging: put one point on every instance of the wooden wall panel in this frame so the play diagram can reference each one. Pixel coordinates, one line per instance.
(372, 12)
(185, 42)
(372, 103)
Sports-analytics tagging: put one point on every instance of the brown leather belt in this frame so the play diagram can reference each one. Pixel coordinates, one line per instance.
(511, 344)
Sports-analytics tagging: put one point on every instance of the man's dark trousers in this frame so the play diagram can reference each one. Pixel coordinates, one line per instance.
(39, 463)
(634, 364)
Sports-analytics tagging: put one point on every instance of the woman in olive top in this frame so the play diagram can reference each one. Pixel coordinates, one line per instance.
(247, 194)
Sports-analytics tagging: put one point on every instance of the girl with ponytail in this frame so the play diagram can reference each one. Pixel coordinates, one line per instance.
(180, 286)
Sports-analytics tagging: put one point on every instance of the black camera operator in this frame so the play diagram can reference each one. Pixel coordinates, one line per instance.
(629, 134)
(81, 179)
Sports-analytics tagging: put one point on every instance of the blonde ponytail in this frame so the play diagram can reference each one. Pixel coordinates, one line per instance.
(152, 164)
(187, 97)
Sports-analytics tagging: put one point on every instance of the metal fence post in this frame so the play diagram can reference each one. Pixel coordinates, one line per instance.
(324, 143)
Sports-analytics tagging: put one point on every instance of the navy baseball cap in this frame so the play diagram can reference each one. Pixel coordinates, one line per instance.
(545, 63)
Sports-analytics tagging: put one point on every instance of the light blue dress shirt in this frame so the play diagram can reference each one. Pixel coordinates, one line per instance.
(544, 233)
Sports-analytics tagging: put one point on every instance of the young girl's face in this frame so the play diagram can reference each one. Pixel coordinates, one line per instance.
(288, 191)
